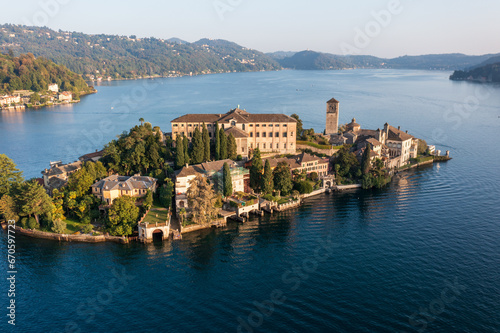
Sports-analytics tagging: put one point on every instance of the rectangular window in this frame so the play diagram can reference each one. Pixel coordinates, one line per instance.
(284, 145)
(242, 149)
(277, 146)
(190, 134)
(264, 146)
(257, 134)
(257, 125)
(175, 125)
(251, 134)
(284, 134)
(251, 125)
(284, 125)
(277, 134)
(291, 133)
(270, 134)
(251, 146)
(264, 134)
(270, 125)
(190, 125)
(210, 134)
(264, 125)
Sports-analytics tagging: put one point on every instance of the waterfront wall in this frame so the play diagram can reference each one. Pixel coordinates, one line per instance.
(328, 152)
(71, 238)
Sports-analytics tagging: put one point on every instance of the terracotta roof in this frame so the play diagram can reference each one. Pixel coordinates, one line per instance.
(333, 100)
(236, 132)
(238, 115)
(398, 135)
(295, 161)
(373, 142)
(116, 182)
(63, 169)
(91, 156)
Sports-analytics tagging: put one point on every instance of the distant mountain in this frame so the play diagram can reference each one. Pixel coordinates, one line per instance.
(175, 40)
(121, 57)
(490, 61)
(323, 61)
(490, 72)
(281, 54)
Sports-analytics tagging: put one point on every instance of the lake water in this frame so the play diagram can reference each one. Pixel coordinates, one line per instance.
(422, 254)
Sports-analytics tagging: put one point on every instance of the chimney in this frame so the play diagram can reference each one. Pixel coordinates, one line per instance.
(399, 128)
(406, 131)
(187, 165)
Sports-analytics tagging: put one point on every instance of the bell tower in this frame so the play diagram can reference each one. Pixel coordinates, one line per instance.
(332, 116)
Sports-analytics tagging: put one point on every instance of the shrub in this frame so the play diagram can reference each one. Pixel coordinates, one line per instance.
(304, 187)
(24, 223)
(59, 227)
(32, 223)
(269, 197)
(313, 176)
(87, 229)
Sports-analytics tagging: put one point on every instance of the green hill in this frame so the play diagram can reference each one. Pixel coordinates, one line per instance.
(485, 73)
(29, 73)
(121, 57)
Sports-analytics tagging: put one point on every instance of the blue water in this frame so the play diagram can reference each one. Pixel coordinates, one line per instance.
(378, 261)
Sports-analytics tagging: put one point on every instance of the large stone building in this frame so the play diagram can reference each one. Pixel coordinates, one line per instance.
(332, 116)
(303, 163)
(115, 186)
(57, 176)
(271, 133)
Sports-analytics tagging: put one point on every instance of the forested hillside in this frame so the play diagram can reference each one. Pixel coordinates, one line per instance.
(130, 57)
(29, 73)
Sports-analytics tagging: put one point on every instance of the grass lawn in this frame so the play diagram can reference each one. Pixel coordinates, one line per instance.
(152, 215)
(73, 226)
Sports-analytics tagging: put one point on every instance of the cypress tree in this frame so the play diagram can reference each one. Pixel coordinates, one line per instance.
(231, 147)
(206, 142)
(179, 149)
(217, 142)
(256, 170)
(267, 179)
(223, 144)
(185, 143)
(228, 182)
(365, 160)
(198, 150)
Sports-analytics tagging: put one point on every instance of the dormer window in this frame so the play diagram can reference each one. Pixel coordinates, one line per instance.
(233, 123)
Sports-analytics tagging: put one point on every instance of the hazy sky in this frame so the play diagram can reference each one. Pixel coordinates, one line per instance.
(405, 26)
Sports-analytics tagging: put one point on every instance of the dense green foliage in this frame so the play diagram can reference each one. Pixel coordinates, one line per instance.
(123, 216)
(256, 171)
(139, 151)
(267, 185)
(303, 187)
(206, 143)
(346, 165)
(198, 147)
(166, 193)
(123, 57)
(217, 142)
(223, 144)
(228, 182)
(9, 174)
(179, 152)
(27, 73)
(231, 147)
(282, 176)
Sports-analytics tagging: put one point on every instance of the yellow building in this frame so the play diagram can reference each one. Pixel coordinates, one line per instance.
(271, 133)
(115, 186)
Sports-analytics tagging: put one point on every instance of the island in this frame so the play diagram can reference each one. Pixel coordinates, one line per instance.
(149, 184)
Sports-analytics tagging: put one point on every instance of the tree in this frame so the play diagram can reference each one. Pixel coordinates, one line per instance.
(223, 144)
(202, 199)
(179, 152)
(59, 227)
(148, 200)
(166, 193)
(256, 170)
(267, 185)
(217, 141)
(422, 147)
(283, 178)
(198, 151)
(232, 152)
(346, 164)
(141, 120)
(303, 187)
(33, 201)
(185, 143)
(57, 205)
(35, 98)
(9, 174)
(365, 160)
(299, 124)
(206, 142)
(228, 182)
(123, 216)
(8, 208)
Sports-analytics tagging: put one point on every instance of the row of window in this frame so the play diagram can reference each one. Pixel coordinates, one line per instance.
(270, 146)
(270, 134)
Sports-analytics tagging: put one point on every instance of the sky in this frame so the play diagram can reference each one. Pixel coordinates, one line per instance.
(384, 28)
